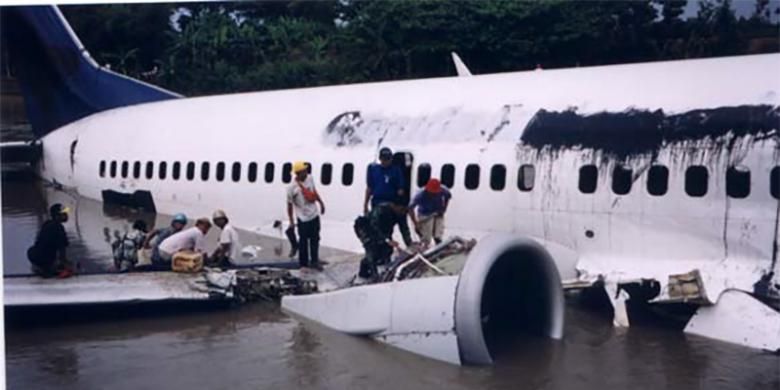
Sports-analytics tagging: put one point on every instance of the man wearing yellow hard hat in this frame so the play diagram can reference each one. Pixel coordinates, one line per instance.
(47, 255)
(302, 201)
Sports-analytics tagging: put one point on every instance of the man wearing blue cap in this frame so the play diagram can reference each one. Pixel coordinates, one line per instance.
(385, 183)
(47, 255)
(177, 224)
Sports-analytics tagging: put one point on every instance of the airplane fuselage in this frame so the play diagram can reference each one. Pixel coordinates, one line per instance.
(685, 198)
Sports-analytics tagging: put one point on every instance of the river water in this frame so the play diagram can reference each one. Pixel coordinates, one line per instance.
(259, 347)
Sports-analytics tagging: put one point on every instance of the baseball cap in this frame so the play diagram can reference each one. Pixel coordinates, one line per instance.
(433, 186)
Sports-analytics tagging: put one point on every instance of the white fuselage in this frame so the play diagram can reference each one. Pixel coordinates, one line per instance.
(461, 121)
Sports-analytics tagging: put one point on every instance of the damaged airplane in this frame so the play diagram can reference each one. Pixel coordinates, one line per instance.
(658, 181)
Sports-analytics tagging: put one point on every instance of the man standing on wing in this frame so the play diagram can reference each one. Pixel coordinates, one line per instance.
(385, 183)
(302, 199)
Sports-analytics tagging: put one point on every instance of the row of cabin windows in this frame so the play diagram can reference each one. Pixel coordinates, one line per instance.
(191, 169)
(696, 177)
(525, 176)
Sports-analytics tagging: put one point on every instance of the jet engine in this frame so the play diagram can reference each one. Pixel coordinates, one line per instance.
(461, 309)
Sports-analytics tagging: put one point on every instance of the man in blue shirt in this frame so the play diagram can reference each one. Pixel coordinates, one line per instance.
(431, 204)
(385, 183)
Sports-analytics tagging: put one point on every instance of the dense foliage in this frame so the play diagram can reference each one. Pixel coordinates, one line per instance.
(206, 48)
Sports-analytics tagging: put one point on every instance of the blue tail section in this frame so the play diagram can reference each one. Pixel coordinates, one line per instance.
(60, 82)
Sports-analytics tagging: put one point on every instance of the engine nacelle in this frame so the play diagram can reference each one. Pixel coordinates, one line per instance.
(507, 286)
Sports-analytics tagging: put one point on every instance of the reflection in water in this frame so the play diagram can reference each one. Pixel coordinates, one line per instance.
(257, 346)
(304, 357)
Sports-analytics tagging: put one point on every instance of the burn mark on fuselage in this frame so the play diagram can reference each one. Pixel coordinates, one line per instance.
(632, 132)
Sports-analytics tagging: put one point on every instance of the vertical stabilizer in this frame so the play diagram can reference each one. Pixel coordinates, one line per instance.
(60, 82)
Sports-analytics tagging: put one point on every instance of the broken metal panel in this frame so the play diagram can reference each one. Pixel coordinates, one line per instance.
(740, 319)
(687, 287)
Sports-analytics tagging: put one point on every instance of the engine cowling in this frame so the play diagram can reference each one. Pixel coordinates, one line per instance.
(508, 286)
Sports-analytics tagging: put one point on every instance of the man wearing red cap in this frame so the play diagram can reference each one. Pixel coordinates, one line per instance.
(430, 205)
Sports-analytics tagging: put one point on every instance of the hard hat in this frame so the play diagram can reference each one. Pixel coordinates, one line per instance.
(180, 217)
(433, 186)
(298, 166)
(218, 214)
(57, 209)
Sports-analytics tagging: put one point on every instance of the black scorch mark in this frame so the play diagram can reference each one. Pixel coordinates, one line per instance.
(631, 132)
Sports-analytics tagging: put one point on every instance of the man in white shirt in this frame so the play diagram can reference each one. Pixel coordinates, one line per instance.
(303, 198)
(192, 239)
(229, 247)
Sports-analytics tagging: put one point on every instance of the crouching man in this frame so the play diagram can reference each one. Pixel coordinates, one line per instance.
(192, 239)
(47, 255)
(430, 204)
(229, 248)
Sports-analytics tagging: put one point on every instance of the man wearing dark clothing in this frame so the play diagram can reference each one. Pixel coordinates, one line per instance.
(385, 183)
(47, 255)
(375, 232)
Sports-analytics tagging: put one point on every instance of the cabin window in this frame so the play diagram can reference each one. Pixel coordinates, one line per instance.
(737, 182)
(190, 170)
(696, 178)
(498, 177)
(269, 172)
(526, 175)
(286, 172)
(162, 170)
(220, 175)
(125, 166)
(657, 180)
(149, 169)
(235, 172)
(113, 169)
(102, 169)
(136, 170)
(589, 176)
(327, 174)
(472, 176)
(251, 172)
(423, 174)
(621, 180)
(448, 175)
(204, 171)
(347, 174)
(309, 168)
(774, 182)
(176, 170)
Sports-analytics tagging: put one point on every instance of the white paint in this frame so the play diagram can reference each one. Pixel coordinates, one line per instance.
(110, 288)
(740, 319)
(364, 310)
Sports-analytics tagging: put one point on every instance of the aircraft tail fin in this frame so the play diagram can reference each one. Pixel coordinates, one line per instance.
(60, 81)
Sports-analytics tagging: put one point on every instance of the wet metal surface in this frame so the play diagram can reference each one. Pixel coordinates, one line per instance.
(257, 346)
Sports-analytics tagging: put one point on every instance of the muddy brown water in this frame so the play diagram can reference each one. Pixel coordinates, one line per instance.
(259, 347)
